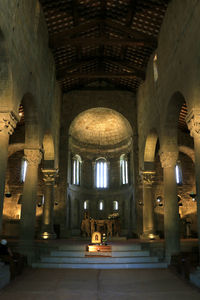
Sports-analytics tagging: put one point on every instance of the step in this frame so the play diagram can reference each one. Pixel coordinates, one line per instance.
(130, 253)
(159, 265)
(98, 260)
(73, 247)
(68, 253)
(131, 247)
(113, 253)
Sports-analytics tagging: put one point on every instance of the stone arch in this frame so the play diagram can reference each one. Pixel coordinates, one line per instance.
(188, 151)
(12, 148)
(32, 132)
(150, 146)
(48, 146)
(170, 124)
(5, 74)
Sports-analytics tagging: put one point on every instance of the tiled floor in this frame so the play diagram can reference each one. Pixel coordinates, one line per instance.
(62, 284)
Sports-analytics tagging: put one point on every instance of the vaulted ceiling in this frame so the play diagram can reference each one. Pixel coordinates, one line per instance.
(103, 40)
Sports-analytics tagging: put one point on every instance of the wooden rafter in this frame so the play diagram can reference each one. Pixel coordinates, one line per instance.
(102, 40)
(65, 37)
(99, 75)
(74, 67)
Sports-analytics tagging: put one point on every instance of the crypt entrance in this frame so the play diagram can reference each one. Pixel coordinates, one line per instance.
(100, 172)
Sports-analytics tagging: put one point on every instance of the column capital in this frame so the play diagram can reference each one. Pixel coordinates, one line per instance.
(193, 122)
(148, 177)
(49, 175)
(168, 159)
(8, 122)
(33, 156)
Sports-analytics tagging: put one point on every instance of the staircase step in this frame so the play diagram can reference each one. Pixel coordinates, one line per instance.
(159, 265)
(98, 260)
(130, 253)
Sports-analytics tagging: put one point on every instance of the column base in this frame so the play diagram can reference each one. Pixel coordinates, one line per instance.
(195, 277)
(48, 235)
(149, 236)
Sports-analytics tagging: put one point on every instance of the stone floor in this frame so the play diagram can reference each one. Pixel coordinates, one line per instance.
(64, 284)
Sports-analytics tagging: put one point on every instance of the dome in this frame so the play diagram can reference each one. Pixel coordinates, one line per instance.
(100, 127)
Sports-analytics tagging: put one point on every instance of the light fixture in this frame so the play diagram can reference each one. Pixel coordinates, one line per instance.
(8, 194)
(159, 201)
(193, 196)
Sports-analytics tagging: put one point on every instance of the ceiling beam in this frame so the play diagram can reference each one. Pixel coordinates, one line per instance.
(102, 40)
(61, 39)
(132, 32)
(97, 74)
(74, 67)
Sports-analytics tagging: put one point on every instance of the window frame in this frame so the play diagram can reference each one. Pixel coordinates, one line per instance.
(124, 170)
(76, 170)
(103, 169)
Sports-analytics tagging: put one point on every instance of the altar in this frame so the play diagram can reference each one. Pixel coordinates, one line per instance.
(109, 226)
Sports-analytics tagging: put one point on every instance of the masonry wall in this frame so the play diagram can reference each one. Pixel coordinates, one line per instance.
(29, 63)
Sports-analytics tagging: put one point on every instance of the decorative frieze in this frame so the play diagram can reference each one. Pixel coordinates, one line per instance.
(8, 122)
(193, 122)
(168, 159)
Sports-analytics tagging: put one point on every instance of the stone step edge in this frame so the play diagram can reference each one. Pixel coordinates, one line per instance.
(158, 265)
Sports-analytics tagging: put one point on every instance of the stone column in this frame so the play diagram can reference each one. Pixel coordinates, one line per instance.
(171, 209)
(148, 206)
(49, 176)
(28, 210)
(193, 122)
(8, 122)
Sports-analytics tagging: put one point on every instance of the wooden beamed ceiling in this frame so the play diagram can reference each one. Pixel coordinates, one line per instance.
(109, 40)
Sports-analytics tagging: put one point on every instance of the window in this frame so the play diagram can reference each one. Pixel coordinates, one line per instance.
(124, 169)
(101, 172)
(155, 67)
(115, 205)
(23, 170)
(76, 164)
(101, 205)
(178, 172)
(86, 205)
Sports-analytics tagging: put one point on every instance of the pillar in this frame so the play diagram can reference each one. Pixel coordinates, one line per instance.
(28, 210)
(148, 206)
(171, 209)
(8, 122)
(193, 122)
(49, 176)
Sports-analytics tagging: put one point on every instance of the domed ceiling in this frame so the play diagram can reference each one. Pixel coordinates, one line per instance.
(100, 127)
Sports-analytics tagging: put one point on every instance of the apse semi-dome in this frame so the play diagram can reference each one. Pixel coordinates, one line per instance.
(100, 127)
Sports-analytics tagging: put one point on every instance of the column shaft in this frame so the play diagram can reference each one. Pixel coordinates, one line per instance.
(148, 206)
(197, 174)
(47, 218)
(27, 223)
(148, 219)
(4, 138)
(171, 213)
(171, 209)
(8, 122)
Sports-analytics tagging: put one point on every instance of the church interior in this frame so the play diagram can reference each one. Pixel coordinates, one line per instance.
(100, 125)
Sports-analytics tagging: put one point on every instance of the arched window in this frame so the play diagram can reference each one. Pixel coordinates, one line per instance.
(86, 204)
(115, 205)
(124, 169)
(155, 67)
(76, 165)
(23, 170)
(101, 173)
(178, 172)
(101, 205)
